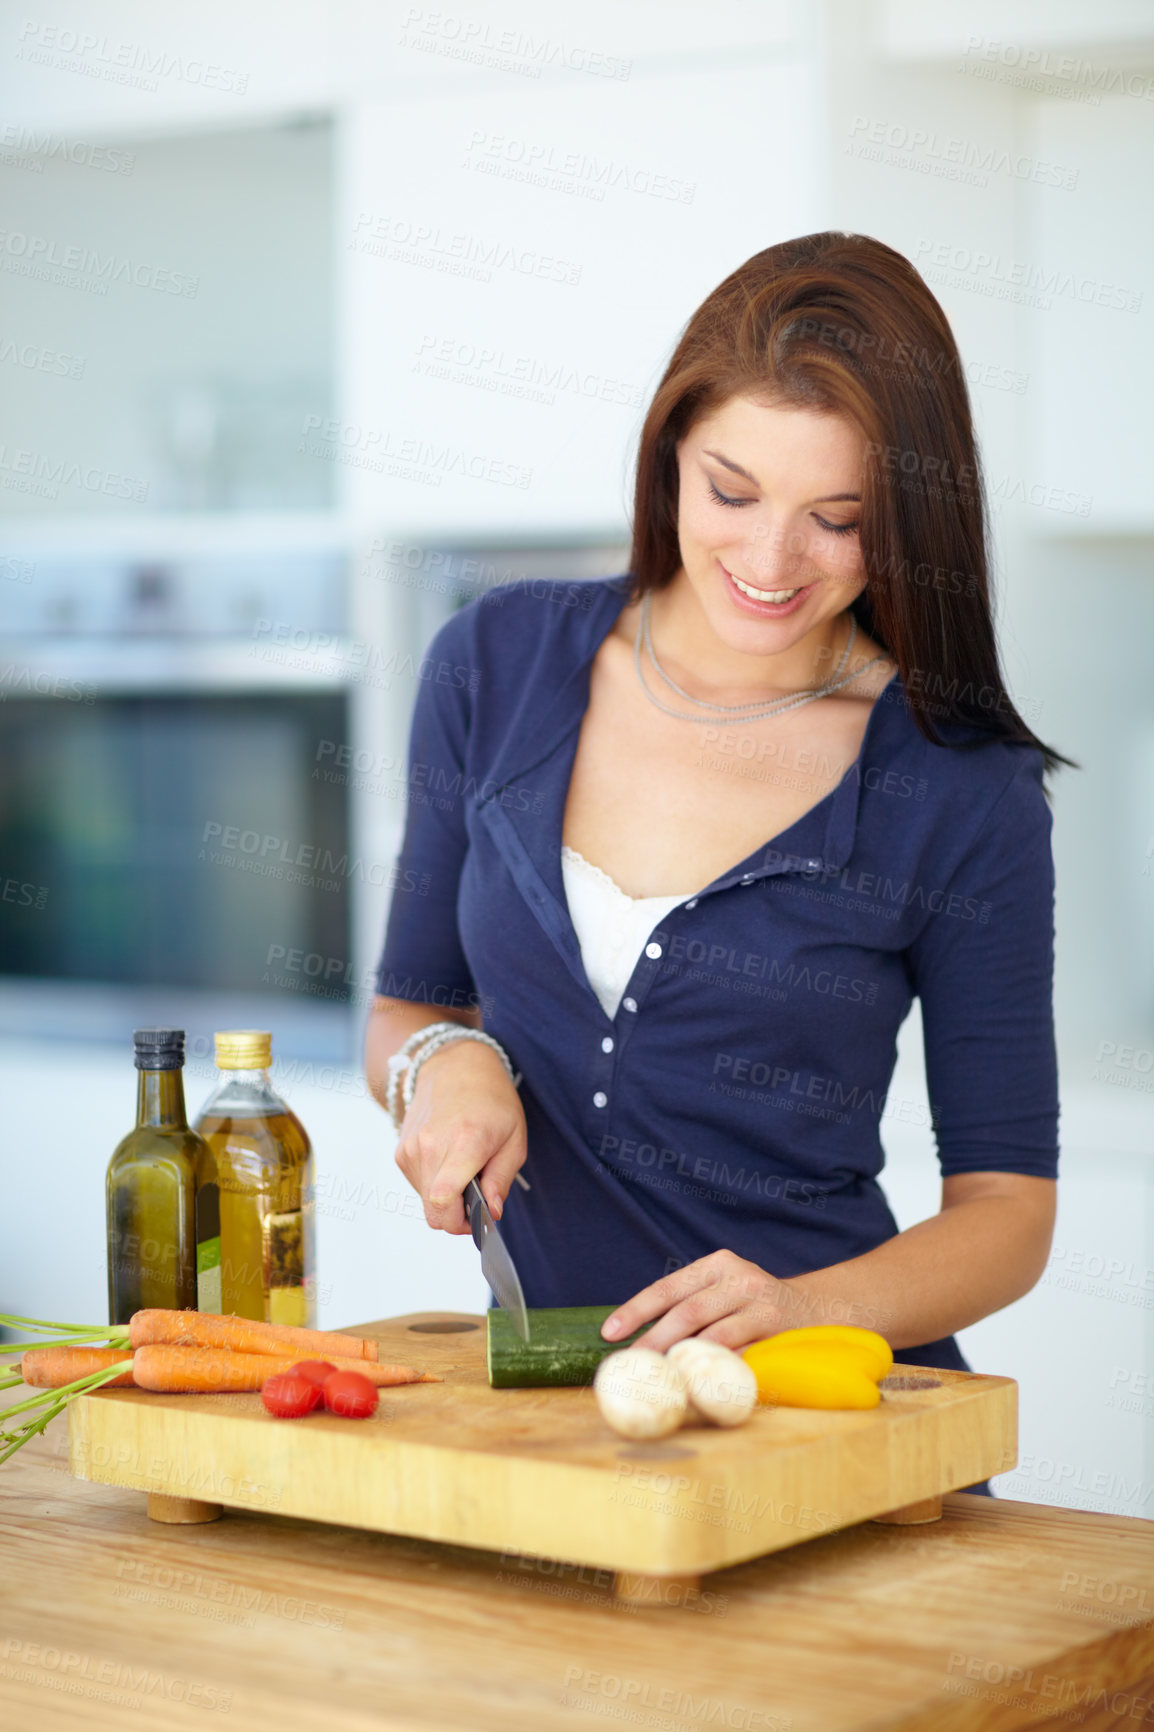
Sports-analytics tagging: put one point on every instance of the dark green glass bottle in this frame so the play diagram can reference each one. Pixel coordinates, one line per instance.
(151, 1188)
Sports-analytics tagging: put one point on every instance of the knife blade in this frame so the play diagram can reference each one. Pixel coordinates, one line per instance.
(497, 1266)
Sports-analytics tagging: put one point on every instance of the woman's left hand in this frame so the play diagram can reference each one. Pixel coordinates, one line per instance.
(720, 1298)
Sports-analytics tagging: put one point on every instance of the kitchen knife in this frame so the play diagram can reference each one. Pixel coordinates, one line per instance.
(496, 1264)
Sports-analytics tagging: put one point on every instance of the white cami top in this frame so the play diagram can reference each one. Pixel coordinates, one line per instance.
(612, 928)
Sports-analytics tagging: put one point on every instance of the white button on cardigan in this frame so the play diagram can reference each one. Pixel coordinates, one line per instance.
(612, 928)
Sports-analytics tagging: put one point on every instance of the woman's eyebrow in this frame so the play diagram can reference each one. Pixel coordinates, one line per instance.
(825, 499)
(736, 467)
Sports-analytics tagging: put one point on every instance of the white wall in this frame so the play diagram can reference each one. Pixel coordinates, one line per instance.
(630, 218)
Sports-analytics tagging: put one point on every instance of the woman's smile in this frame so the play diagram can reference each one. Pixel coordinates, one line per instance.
(765, 603)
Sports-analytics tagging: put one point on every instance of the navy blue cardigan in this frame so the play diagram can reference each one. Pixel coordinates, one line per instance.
(737, 1098)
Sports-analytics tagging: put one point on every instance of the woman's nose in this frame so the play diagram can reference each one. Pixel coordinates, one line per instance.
(771, 551)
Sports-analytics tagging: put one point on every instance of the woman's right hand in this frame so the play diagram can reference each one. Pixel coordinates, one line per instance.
(466, 1121)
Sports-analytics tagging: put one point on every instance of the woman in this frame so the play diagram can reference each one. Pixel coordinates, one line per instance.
(689, 842)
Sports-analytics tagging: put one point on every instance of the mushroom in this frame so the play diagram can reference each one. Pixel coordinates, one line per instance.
(640, 1393)
(720, 1385)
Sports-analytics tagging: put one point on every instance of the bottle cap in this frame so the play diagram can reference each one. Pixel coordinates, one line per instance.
(158, 1048)
(243, 1049)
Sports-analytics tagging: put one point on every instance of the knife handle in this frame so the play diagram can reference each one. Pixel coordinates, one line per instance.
(473, 1214)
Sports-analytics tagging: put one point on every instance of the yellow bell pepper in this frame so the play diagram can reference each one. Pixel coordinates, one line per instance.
(831, 1366)
(874, 1348)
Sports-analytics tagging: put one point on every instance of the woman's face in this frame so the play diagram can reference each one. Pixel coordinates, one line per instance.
(770, 500)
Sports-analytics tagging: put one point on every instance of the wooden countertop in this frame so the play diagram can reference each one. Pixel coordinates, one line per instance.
(1002, 1615)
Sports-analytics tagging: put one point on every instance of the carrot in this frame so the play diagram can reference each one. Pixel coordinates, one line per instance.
(243, 1335)
(54, 1367)
(205, 1370)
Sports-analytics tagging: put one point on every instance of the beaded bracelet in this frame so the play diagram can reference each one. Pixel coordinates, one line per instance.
(408, 1058)
(399, 1064)
(445, 1037)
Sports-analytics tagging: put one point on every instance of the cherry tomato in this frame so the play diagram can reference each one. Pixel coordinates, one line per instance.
(316, 1370)
(350, 1394)
(289, 1396)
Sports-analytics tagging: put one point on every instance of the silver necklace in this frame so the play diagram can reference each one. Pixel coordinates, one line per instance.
(739, 712)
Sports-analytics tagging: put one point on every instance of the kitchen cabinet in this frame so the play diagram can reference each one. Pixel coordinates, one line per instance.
(176, 338)
(1089, 347)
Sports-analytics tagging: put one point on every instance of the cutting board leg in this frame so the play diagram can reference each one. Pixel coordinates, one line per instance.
(641, 1590)
(181, 1509)
(927, 1509)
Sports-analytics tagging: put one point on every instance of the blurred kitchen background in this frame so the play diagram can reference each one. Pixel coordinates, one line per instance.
(321, 317)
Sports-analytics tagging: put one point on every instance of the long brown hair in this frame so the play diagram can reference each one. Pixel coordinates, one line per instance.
(840, 323)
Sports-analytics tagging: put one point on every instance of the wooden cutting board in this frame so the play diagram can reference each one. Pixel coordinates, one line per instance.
(537, 1472)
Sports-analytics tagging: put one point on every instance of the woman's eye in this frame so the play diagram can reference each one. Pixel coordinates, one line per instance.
(723, 498)
(837, 528)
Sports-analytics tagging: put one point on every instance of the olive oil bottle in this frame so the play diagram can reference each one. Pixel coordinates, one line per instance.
(150, 1190)
(255, 1208)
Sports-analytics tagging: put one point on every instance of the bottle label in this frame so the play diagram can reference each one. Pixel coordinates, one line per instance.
(287, 1301)
(209, 1293)
(208, 1289)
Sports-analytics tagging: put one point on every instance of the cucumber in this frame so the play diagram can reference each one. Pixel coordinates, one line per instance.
(564, 1347)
